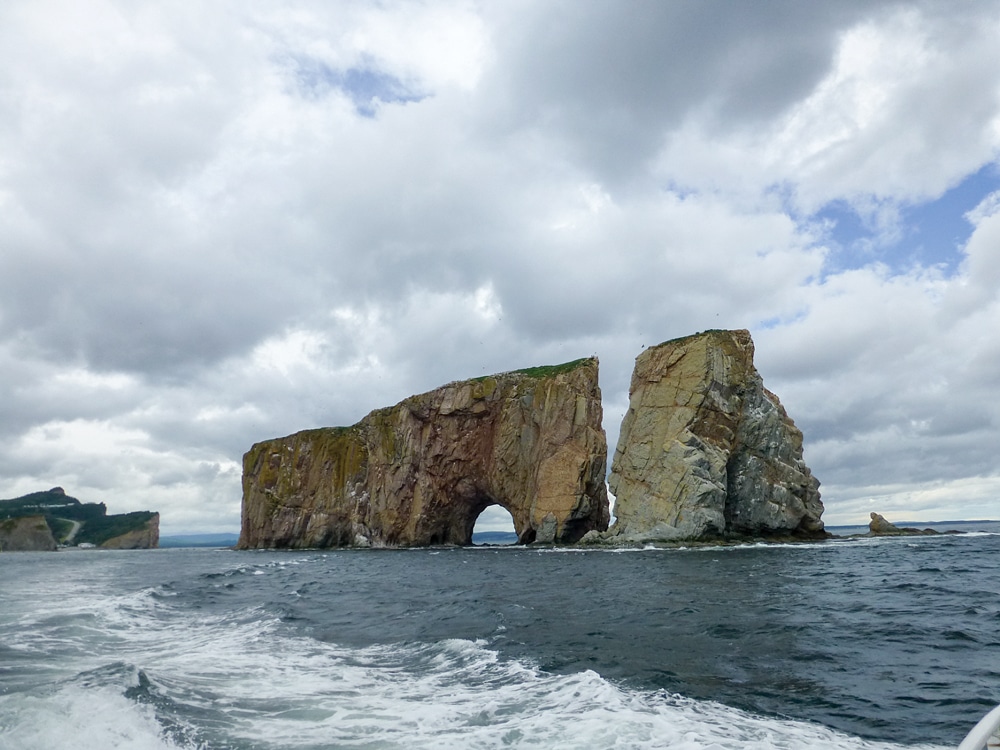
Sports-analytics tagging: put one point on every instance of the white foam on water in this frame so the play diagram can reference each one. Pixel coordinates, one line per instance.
(269, 689)
(168, 678)
(460, 694)
(95, 718)
(825, 545)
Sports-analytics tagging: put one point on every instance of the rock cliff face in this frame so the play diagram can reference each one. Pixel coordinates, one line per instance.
(146, 536)
(706, 451)
(26, 534)
(420, 473)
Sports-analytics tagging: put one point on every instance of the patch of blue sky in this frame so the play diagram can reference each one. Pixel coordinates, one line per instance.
(366, 85)
(782, 320)
(929, 234)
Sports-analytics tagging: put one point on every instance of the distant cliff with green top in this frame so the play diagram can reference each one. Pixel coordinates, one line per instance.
(42, 521)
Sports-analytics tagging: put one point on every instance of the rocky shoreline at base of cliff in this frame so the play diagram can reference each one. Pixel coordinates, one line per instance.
(878, 527)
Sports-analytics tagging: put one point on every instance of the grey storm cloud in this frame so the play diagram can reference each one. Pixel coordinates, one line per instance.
(614, 80)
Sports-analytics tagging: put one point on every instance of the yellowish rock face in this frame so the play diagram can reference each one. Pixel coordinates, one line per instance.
(706, 451)
(146, 537)
(421, 472)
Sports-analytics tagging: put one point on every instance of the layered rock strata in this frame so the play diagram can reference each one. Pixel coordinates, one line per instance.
(420, 473)
(706, 451)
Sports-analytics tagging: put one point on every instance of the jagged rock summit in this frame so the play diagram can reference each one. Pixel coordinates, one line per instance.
(420, 473)
(706, 452)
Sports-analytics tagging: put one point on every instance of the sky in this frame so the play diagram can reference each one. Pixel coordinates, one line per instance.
(226, 222)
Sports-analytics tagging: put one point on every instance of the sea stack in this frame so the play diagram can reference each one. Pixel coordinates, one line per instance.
(706, 452)
(420, 473)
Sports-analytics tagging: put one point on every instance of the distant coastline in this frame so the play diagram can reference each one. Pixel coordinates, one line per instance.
(505, 538)
(51, 519)
(199, 540)
(850, 529)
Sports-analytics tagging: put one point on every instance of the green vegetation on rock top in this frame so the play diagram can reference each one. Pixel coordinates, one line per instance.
(36, 503)
(691, 336)
(379, 417)
(99, 530)
(62, 513)
(542, 371)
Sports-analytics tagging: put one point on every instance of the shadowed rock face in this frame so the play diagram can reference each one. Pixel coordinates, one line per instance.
(420, 473)
(706, 451)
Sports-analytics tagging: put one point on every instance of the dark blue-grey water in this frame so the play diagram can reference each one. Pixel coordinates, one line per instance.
(846, 644)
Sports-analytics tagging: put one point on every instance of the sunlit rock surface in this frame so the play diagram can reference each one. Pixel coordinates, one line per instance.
(420, 473)
(706, 451)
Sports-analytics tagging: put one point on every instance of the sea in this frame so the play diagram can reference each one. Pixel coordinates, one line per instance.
(851, 643)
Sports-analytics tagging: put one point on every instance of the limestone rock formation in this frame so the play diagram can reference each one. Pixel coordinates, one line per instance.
(26, 534)
(420, 473)
(706, 451)
(146, 536)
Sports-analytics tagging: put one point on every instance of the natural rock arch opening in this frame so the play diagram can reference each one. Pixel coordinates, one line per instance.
(420, 473)
(494, 525)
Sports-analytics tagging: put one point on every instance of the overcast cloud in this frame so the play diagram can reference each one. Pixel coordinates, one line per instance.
(225, 222)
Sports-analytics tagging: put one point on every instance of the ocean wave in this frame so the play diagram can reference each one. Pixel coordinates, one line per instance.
(84, 718)
(289, 651)
(292, 693)
(243, 680)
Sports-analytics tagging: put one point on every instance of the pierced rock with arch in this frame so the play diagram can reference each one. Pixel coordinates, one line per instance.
(420, 473)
